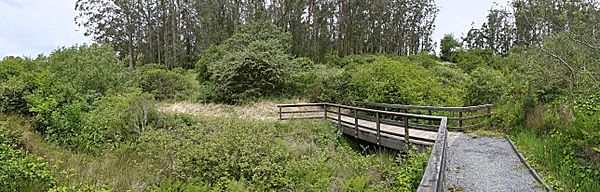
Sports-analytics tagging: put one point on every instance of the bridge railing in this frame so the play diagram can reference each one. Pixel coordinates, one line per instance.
(459, 118)
(433, 178)
(354, 120)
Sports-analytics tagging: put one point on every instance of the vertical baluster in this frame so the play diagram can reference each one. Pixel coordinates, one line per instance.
(378, 127)
(339, 116)
(489, 113)
(460, 120)
(406, 127)
(279, 112)
(356, 122)
(430, 121)
(325, 111)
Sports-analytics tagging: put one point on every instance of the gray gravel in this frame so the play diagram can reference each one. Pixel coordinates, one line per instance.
(485, 164)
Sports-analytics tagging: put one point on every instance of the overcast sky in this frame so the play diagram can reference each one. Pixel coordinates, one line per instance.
(31, 27)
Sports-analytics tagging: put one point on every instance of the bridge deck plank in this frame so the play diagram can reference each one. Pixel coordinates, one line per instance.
(421, 134)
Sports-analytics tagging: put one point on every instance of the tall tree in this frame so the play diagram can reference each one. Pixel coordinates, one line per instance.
(175, 32)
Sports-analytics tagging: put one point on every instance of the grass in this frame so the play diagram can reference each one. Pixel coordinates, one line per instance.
(556, 162)
(228, 153)
(118, 170)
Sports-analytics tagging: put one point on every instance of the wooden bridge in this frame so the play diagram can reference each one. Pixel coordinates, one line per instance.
(396, 126)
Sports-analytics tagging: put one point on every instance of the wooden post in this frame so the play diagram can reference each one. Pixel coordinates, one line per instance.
(406, 127)
(430, 121)
(279, 112)
(356, 122)
(325, 111)
(378, 127)
(460, 120)
(340, 116)
(489, 114)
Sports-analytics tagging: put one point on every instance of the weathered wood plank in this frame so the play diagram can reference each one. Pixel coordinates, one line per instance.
(433, 177)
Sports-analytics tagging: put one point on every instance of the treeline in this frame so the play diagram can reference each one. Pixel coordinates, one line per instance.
(528, 22)
(175, 32)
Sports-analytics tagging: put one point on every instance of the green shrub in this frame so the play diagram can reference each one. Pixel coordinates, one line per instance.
(486, 87)
(409, 170)
(209, 56)
(332, 85)
(57, 110)
(250, 64)
(258, 70)
(20, 171)
(16, 83)
(472, 59)
(90, 69)
(116, 119)
(394, 81)
(12, 96)
(163, 83)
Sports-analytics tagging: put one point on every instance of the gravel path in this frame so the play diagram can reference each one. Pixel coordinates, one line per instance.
(485, 164)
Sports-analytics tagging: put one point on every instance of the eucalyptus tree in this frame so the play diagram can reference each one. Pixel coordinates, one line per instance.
(175, 32)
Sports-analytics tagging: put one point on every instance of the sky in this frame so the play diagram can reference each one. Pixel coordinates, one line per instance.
(457, 16)
(32, 27)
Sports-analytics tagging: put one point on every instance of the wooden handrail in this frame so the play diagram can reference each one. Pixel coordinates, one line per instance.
(425, 108)
(417, 116)
(433, 177)
(460, 120)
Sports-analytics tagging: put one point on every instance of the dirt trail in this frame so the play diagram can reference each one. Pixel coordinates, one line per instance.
(264, 110)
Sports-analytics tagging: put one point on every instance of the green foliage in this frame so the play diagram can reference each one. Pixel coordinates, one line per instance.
(116, 119)
(557, 161)
(16, 82)
(409, 169)
(163, 83)
(486, 87)
(233, 154)
(397, 81)
(211, 55)
(258, 31)
(255, 63)
(448, 47)
(331, 85)
(20, 171)
(472, 59)
(89, 69)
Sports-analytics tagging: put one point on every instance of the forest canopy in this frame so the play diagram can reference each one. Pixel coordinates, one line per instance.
(174, 33)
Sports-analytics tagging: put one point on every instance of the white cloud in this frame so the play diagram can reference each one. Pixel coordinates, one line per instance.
(31, 27)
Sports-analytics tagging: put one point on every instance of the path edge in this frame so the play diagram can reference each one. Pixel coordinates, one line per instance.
(531, 170)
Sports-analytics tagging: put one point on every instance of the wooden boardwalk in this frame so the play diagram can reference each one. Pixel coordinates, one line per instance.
(396, 130)
(419, 136)
(375, 126)
(385, 128)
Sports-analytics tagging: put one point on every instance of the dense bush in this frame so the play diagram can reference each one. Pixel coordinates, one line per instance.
(16, 83)
(472, 59)
(89, 69)
(254, 63)
(210, 55)
(409, 169)
(398, 81)
(486, 86)
(163, 83)
(83, 99)
(20, 171)
(331, 85)
(115, 119)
